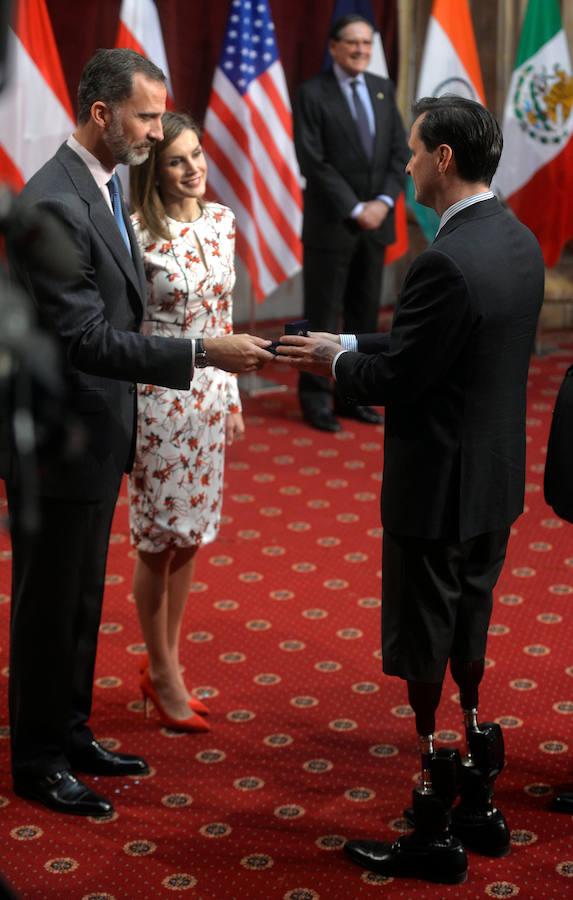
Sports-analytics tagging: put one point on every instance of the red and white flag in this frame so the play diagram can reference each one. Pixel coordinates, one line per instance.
(139, 29)
(36, 115)
(249, 146)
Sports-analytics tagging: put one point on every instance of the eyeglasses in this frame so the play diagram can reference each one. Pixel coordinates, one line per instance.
(355, 43)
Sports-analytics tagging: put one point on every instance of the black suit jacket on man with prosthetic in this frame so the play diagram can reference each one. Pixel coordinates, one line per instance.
(452, 375)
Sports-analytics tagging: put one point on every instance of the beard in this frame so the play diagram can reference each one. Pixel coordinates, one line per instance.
(120, 148)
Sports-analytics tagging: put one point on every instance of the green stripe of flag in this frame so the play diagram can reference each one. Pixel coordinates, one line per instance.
(542, 21)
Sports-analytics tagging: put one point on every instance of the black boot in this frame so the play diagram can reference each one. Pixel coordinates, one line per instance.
(475, 820)
(430, 852)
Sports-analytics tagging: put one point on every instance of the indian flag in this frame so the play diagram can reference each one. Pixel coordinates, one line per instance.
(35, 111)
(450, 65)
(535, 174)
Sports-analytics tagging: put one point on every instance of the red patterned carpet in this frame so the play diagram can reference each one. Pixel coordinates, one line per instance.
(310, 743)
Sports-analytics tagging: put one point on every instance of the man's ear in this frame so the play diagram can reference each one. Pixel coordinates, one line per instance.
(100, 114)
(445, 157)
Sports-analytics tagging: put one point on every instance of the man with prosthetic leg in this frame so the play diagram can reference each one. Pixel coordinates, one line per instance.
(452, 376)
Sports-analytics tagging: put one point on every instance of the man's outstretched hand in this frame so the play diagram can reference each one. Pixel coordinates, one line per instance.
(312, 354)
(237, 352)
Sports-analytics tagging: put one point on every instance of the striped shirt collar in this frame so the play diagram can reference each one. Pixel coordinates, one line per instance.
(463, 204)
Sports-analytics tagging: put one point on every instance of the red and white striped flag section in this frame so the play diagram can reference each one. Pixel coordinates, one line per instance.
(139, 29)
(249, 146)
(36, 115)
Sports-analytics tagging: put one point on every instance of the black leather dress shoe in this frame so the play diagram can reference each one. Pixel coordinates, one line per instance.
(63, 793)
(481, 831)
(364, 414)
(484, 832)
(563, 801)
(96, 760)
(324, 420)
(442, 860)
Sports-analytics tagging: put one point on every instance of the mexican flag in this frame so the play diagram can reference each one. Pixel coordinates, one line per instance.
(535, 175)
(450, 65)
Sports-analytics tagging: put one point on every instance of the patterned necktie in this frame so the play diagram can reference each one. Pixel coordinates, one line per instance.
(362, 122)
(114, 192)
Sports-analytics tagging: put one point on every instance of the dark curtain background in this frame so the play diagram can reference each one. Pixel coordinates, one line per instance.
(193, 32)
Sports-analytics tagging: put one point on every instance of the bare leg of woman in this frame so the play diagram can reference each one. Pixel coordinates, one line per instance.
(179, 579)
(150, 584)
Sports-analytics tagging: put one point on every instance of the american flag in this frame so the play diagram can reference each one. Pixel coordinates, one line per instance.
(249, 147)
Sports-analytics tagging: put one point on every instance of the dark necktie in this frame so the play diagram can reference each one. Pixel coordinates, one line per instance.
(114, 192)
(362, 123)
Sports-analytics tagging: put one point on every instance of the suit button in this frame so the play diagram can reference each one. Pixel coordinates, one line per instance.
(132, 388)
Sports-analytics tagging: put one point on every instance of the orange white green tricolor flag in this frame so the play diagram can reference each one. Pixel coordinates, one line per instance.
(36, 115)
(450, 65)
(139, 29)
(535, 174)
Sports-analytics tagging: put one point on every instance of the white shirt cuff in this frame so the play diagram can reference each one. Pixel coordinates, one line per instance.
(338, 355)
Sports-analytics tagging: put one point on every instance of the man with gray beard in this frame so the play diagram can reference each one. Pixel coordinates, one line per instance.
(94, 313)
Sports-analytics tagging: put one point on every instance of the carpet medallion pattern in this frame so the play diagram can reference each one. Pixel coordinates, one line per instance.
(310, 743)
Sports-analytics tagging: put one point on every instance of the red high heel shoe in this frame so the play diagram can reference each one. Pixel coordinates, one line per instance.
(195, 705)
(193, 723)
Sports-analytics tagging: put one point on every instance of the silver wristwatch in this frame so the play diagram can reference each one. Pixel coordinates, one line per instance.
(200, 354)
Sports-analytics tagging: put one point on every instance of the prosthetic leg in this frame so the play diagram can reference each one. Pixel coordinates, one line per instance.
(431, 852)
(476, 821)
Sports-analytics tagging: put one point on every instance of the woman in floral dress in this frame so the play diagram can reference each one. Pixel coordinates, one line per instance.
(175, 489)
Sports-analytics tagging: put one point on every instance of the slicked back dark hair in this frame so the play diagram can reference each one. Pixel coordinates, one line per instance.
(343, 21)
(468, 128)
(108, 76)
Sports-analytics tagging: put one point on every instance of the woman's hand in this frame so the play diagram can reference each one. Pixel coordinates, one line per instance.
(234, 427)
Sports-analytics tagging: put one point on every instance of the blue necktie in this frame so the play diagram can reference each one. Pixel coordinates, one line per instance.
(114, 192)
(362, 122)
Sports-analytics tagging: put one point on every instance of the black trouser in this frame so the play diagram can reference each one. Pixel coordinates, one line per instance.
(58, 579)
(437, 598)
(341, 293)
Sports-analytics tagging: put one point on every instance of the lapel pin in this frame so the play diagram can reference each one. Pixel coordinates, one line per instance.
(379, 95)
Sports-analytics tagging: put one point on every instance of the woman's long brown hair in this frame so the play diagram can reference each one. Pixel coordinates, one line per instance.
(143, 185)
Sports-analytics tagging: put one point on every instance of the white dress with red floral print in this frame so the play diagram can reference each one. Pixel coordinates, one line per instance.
(176, 487)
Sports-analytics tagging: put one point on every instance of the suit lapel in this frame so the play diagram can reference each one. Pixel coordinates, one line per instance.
(377, 98)
(136, 258)
(103, 221)
(340, 111)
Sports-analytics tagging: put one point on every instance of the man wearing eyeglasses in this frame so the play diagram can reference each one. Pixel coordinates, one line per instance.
(351, 148)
